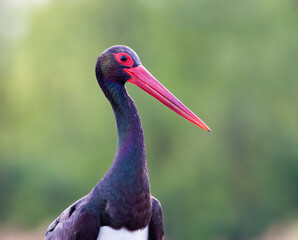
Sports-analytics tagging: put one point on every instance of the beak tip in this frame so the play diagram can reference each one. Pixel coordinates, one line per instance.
(209, 130)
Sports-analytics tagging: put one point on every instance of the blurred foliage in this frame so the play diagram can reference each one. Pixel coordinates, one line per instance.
(232, 62)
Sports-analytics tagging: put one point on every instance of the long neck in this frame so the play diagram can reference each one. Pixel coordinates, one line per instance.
(131, 147)
(124, 192)
(128, 174)
(130, 160)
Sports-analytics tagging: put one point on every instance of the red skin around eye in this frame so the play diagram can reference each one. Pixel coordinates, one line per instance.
(129, 62)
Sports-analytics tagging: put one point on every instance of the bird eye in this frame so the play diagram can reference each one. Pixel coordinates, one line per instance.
(123, 58)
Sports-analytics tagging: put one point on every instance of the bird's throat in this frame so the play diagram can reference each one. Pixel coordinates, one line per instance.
(124, 192)
(131, 156)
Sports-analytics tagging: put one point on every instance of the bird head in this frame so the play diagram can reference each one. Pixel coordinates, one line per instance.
(112, 62)
(120, 64)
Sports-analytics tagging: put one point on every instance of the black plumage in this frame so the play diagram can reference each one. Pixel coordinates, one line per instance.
(122, 198)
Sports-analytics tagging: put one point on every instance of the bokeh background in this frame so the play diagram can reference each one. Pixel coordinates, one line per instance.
(234, 63)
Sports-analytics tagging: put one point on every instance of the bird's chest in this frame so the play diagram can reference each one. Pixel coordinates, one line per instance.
(129, 210)
(108, 233)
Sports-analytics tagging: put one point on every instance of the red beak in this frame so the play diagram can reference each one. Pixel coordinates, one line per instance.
(143, 79)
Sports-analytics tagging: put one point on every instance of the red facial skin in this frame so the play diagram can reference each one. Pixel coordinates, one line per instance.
(128, 63)
(141, 77)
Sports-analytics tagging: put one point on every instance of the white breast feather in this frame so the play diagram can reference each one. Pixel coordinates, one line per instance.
(108, 233)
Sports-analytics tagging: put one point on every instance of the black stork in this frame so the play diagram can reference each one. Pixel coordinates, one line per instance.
(120, 206)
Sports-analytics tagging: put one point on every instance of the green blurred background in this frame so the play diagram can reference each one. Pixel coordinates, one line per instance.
(234, 63)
